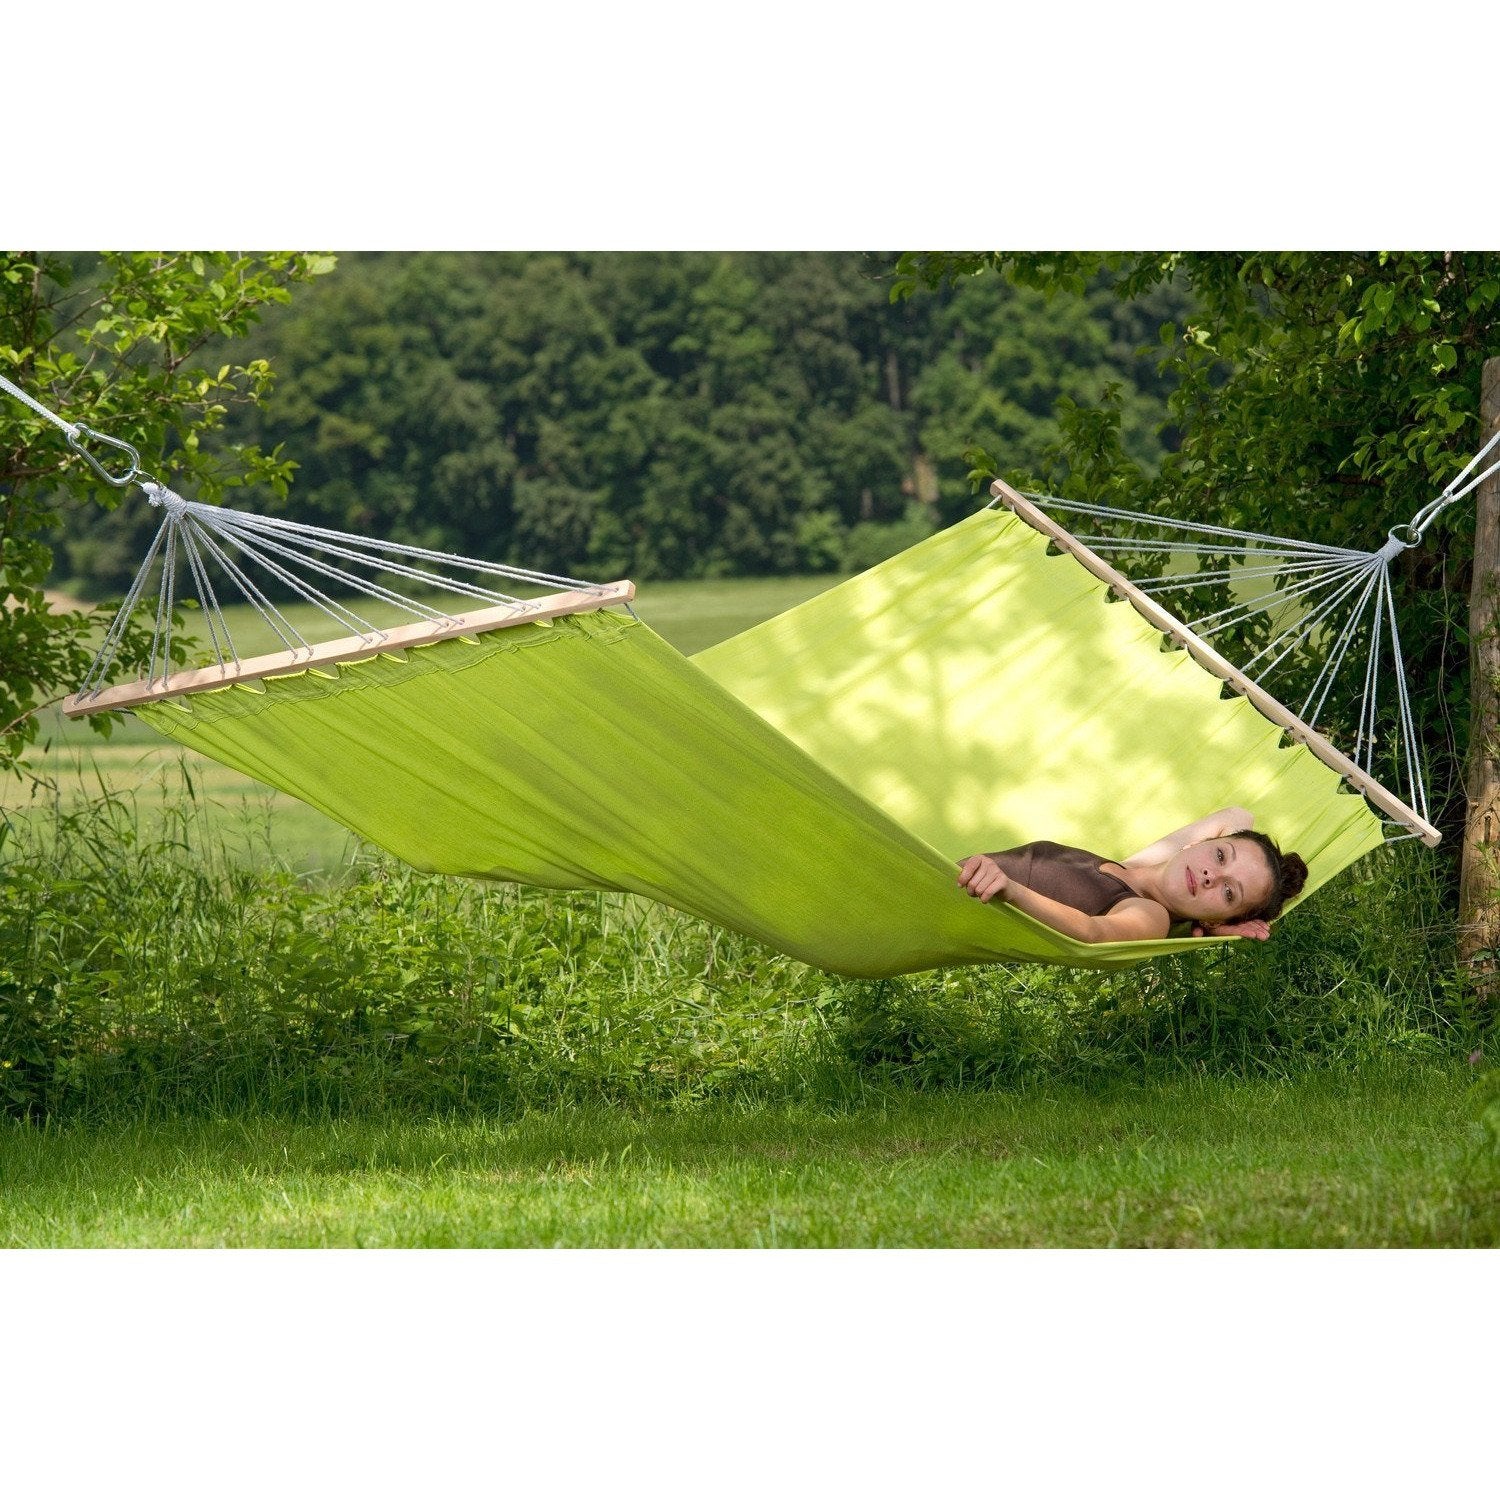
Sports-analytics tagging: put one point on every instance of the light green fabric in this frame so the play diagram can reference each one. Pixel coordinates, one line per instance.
(984, 693)
(813, 782)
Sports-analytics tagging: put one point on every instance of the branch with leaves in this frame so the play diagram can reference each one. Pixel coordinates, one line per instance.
(110, 341)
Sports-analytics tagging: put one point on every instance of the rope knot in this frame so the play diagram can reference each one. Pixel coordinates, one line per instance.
(1396, 545)
(159, 494)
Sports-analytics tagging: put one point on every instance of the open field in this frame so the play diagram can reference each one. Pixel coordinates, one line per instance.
(1390, 1156)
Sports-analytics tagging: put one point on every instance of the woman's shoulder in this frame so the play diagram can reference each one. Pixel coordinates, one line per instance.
(1137, 918)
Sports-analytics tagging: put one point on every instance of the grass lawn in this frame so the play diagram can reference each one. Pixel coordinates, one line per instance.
(1390, 1156)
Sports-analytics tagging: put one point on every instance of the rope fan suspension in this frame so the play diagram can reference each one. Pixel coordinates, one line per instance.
(249, 551)
(253, 554)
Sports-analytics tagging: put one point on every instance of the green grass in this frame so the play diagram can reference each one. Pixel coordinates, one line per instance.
(694, 616)
(1389, 1156)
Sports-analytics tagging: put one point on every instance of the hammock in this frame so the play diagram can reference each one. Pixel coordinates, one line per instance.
(813, 782)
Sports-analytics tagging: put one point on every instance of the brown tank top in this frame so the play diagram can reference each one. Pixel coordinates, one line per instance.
(1069, 875)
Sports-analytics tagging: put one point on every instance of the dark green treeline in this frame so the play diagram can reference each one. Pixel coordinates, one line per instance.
(660, 415)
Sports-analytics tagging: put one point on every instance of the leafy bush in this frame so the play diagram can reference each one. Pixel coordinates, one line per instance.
(152, 975)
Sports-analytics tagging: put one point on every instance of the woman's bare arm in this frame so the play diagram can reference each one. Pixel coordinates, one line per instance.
(1130, 920)
(1215, 826)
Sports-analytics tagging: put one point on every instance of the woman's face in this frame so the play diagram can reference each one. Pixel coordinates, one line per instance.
(1218, 880)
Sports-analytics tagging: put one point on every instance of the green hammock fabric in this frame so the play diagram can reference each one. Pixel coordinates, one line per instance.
(812, 783)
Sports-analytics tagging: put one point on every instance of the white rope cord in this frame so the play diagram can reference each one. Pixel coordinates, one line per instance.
(1308, 624)
(1426, 516)
(1236, 614)
(1369, 704)
(1173, 523)
(1228, 575)
(421, 575)
(310, 593)
(256, 596)
(164, 603)
(300, 559)
(75, 432)
(377, 545)
(116, 632)
(206, 592)
(37, 407)
(1416, 768)
(1309, 712)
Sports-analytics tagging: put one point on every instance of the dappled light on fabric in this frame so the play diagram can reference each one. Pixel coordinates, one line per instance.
(589, 753)
(985, 694)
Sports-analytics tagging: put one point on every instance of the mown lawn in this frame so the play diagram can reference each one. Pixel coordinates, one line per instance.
(1389, 1156)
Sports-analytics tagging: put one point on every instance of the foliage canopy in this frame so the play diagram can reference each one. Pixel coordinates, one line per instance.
(661, 415)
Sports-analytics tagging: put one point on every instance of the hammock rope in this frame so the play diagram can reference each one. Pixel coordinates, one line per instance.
(298, 557)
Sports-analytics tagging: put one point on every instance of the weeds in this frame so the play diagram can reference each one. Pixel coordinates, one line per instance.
(147, 972)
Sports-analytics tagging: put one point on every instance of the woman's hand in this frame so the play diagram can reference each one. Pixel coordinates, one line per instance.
(1251, 929)
(982, 877)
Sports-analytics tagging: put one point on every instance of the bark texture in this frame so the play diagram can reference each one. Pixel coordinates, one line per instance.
(1479, 885)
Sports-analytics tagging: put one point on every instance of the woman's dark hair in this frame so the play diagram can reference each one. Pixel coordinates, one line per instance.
(1288, 876)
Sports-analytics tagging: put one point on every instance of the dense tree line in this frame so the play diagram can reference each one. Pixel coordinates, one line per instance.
(659, 415)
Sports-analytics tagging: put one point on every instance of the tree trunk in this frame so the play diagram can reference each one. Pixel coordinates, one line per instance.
(1479, 882)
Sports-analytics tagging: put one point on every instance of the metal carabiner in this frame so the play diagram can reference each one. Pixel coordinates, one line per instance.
(119, 481)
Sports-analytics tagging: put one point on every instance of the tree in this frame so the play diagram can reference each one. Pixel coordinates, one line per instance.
(663, 415)
(113, 343)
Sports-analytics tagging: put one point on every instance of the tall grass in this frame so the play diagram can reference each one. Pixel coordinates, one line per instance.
(147, 969)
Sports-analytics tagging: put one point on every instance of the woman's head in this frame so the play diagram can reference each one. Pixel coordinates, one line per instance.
(1235, 878)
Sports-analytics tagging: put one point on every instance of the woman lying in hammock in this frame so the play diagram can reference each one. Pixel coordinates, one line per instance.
(1218, 874)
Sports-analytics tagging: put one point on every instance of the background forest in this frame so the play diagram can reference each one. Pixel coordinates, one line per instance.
(657, 415)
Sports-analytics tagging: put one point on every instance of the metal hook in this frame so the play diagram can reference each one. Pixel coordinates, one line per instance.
(119, 481)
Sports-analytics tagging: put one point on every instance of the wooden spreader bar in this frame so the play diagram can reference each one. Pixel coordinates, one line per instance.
(351, 648)
(1210, 659)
